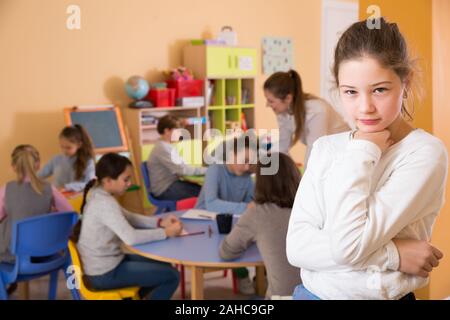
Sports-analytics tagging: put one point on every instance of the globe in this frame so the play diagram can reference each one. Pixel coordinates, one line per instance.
(136, 87)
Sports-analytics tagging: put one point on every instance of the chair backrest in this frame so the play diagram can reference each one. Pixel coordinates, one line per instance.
(44, 236)
(186, 204)
(162, 205)
(145, 176)
(75, 256)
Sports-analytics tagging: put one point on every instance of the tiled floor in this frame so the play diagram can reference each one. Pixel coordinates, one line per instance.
(216, 287)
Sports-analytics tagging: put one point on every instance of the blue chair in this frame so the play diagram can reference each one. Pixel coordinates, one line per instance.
(161, 205)
(40, 247)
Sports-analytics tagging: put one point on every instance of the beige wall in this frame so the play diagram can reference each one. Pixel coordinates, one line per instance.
(414, 20)
(45, 67)
(440, 280)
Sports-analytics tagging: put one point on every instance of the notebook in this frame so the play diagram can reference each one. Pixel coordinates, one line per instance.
(199, 214)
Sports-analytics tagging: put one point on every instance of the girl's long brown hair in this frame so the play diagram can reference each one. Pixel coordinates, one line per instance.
(77, 134)
(280, 84)
(24, 159)
(281, 187)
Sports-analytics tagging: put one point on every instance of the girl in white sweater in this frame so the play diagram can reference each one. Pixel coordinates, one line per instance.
(365, 208)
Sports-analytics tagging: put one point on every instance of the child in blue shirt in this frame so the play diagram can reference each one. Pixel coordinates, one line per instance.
(228, 186)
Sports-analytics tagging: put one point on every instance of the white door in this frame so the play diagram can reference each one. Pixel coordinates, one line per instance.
(337, 16)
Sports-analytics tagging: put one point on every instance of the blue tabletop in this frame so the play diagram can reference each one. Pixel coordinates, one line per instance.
(196, 250)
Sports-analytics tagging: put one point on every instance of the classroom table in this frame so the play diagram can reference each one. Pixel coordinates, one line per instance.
(201, 254)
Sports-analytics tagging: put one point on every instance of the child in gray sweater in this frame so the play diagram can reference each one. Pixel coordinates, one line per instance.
(267, 224)
(106, 225)
(166, 167)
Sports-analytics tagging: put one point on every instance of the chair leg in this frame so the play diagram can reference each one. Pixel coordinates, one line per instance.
(53, 285)
(3, 293)
(182, 282)
(71, 282)
(235, 282)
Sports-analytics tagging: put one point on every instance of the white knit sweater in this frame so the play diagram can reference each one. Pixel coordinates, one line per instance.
(352, 201)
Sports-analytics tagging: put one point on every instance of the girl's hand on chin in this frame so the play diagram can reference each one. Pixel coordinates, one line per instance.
(381, 138)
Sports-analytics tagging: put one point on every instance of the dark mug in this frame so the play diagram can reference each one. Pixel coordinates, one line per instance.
(224, 222)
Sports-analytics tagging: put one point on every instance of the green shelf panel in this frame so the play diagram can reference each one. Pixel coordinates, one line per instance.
(233, 115)
(215, 107)
(219, 92)
(218, 119)
(232, 91)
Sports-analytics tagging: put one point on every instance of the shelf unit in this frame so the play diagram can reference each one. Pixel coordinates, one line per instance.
(143, 132)
(232, 72)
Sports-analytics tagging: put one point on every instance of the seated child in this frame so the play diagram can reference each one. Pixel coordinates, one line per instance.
(166, 166)
(25, 197)
(229, 188)
(105, 225)
(76, 166)
(267, 224)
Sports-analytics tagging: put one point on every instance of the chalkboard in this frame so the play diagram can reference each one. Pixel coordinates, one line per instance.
(104, 125)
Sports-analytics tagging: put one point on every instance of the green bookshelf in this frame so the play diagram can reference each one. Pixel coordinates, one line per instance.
(232, 82)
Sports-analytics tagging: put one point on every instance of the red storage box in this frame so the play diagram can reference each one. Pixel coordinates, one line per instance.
(186, 88)
(162, 97)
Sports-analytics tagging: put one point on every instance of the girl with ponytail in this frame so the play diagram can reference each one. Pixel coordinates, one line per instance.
(76, 166)
(301, 116)
(26, 196)
(105, 226)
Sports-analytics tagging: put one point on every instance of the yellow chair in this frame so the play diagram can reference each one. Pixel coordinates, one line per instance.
(76, 201)
(118, 294)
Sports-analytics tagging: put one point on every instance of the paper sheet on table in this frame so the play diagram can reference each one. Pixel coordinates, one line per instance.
(199, 214)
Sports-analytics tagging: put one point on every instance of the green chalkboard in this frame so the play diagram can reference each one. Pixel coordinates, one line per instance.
(104, 125)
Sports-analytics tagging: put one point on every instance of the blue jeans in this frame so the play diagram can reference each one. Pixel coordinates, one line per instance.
(136, 271)
(301, 293)
(180, 190)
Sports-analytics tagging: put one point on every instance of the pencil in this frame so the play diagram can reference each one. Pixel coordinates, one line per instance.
(192, 234)
(205, 216)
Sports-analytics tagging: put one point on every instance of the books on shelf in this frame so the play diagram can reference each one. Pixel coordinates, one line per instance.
(149, 120)
(210, 95)
(195, 120)
(192, 101)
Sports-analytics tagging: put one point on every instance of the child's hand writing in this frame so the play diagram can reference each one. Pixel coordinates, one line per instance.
(381, 138)
(174, 229)
(417, 257)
